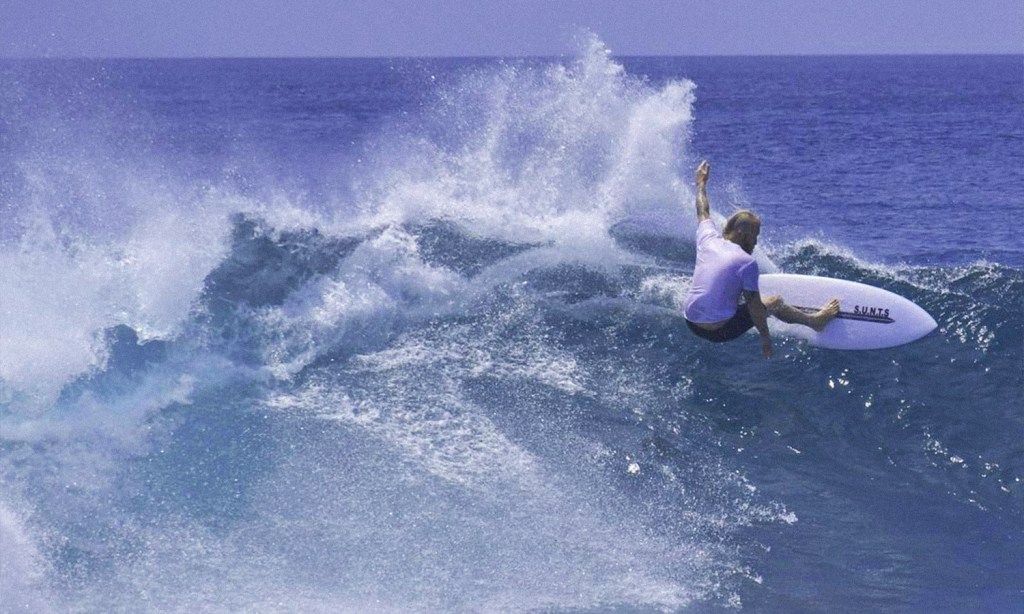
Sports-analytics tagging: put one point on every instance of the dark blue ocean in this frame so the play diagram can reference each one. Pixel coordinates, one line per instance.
(403, 335)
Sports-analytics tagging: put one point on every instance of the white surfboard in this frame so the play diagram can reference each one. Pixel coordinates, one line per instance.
(869, 318)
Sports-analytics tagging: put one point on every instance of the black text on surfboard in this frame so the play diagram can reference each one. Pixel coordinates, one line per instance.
(872, 312)
(878, 315)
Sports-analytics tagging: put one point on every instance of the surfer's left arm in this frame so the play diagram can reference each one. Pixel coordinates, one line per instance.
(759, 314)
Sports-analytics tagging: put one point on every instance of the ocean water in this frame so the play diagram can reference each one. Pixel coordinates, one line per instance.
(400, 335)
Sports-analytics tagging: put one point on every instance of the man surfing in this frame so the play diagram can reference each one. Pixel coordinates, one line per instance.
(727, 272)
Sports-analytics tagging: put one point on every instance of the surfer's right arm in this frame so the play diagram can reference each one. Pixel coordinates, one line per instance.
(703, 207)
(759, 314)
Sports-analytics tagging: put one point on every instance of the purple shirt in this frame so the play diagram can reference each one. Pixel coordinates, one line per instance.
(723, 271)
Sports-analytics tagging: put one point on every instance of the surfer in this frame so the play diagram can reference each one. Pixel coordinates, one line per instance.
(724, 301)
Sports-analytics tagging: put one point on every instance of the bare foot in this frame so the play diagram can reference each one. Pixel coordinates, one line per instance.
(824, 315)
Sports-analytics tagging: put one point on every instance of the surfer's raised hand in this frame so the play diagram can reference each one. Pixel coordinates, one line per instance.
(703, 169)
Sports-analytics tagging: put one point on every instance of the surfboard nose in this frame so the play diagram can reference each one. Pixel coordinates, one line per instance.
(925, 323)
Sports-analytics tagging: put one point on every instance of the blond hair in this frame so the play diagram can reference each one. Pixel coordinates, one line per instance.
(743, 221)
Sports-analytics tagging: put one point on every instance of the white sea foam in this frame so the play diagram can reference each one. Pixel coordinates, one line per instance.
(23, 568)
(60, 293)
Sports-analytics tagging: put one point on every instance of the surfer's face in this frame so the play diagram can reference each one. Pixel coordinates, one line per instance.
(748, 239)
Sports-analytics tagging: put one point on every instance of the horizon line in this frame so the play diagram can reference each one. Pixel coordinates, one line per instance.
(513, 56)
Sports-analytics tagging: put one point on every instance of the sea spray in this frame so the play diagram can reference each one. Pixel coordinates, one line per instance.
(526, 151)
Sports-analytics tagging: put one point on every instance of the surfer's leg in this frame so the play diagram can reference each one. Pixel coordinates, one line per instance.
(791, 315)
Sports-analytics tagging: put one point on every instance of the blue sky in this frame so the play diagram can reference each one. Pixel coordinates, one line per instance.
(176, 28)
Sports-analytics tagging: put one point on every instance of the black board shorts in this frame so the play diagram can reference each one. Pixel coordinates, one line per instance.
(736, 326)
